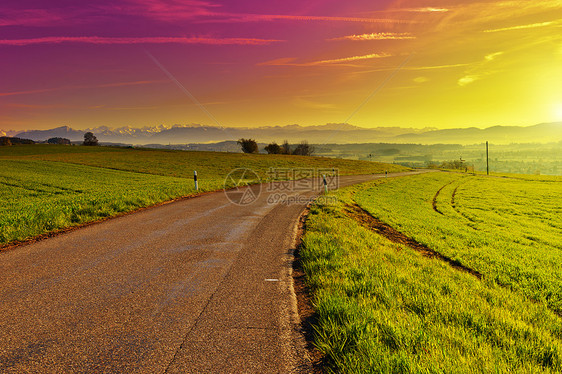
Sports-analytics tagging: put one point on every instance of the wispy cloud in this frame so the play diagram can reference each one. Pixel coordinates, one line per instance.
(417, 68)
(205, 11)
(378, 36)
(493, 56)
(437, 67)
(30, 17)
(285, 61)
(164, 10)
(352, 58)
(468, 79)
(480, 70)
(523, 27)
(103, 85)
(137, 40)
(291, 61)
(27, 92)
(161, 10)
(134, 83)
(423, 10)
(249, 17)
(421, 80)
(174, 11)
(33, 106)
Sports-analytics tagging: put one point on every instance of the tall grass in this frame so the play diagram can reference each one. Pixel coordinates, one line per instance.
(384, 308)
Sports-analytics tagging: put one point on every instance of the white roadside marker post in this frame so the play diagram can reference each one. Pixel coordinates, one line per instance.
(195, 180)
(325, 184)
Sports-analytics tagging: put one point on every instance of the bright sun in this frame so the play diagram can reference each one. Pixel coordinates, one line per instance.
(558, 112)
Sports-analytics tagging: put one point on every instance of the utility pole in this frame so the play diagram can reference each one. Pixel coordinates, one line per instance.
(487, 161)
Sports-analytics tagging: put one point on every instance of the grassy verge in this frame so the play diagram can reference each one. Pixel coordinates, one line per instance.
(382, 307)
(46, 188)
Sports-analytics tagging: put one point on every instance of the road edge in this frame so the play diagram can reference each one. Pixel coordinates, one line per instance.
(297, 359)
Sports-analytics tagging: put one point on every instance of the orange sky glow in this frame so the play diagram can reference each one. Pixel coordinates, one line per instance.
(405, 63)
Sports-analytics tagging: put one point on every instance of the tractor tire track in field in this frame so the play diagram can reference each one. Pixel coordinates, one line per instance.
(437, 195)
(367, 220)
(35, 189)
(453, 197)
(471, 220)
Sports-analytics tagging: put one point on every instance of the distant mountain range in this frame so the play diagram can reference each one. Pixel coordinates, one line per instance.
(326, 134)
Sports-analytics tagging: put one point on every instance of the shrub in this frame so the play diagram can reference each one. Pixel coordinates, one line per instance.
(274, 149)
(304, 149)
(248, 145)
(58, 141)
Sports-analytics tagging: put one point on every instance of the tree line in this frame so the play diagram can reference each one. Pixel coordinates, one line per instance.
(302, 149)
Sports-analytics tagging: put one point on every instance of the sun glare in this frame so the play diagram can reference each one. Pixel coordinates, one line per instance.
(558, 112)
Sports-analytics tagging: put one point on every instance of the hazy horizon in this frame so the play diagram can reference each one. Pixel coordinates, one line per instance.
(195, 125)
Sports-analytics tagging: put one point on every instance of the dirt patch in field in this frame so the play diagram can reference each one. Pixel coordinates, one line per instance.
(367, 220)
(304, 301)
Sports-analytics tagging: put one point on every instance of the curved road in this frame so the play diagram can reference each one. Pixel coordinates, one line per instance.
(195, 286)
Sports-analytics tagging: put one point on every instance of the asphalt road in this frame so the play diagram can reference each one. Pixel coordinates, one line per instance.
(196, 286)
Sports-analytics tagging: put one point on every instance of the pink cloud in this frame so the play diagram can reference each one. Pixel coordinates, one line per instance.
(337, 61)
(378, 36)
(137, 40)
(31, 17)
(14, 93)
(168, 11)
(424, 10)
(103, 85)
(33, 106)
(135, 83)
(350, 59)
(175, 10)
(172, 10)
(237, 17)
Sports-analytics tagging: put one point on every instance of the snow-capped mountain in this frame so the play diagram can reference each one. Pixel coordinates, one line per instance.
(326, 134)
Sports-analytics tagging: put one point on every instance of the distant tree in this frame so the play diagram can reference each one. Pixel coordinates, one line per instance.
(248, 145)
(90, 139)
(5, 141)
(455, 164)
(304, 149)
(274, 149)
(63, 141)
(286, 148)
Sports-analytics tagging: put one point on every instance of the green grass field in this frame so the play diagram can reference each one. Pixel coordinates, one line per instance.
(510, 230)
(383, 307)
(46, 188)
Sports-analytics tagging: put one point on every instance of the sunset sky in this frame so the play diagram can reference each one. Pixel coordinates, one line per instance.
(408, 63)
